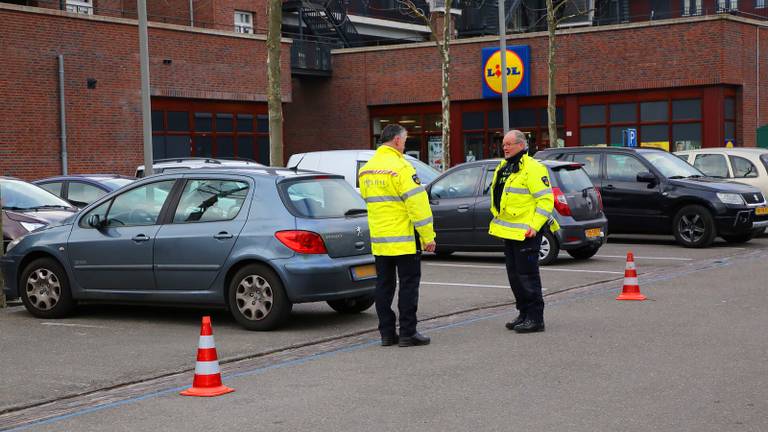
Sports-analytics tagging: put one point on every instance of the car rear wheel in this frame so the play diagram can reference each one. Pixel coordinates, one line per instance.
(352, 305)
(257, 299)
(583, 253)
(45, 289)
(694, 227)
(740, 238)
(549, 249)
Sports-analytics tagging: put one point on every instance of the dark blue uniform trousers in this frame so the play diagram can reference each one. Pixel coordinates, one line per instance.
(408, 269)
(522, 259)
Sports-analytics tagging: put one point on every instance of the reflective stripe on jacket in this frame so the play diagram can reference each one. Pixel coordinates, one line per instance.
(397, 204)
(527, 201)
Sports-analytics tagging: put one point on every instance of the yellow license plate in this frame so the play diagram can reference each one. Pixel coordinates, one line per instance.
(761, 211)
(594, 232)
(364, 272)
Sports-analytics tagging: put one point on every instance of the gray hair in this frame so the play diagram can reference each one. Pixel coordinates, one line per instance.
(390, 132)
(520, 137)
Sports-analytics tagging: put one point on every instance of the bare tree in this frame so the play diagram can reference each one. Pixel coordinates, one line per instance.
(274, 92)
(442, 38)
(558, 11)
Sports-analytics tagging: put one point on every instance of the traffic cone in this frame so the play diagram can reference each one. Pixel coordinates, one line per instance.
(631, 288)
(207, 380)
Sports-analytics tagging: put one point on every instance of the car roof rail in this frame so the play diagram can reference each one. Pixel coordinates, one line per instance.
(184, 159)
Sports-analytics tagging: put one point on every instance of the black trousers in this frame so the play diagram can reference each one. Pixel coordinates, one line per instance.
(408, 269)
(522, 259)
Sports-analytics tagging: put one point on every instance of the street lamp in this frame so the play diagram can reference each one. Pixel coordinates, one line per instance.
(146, 113)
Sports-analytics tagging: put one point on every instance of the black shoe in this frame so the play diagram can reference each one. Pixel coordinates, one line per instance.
(529, 326)
(511, 325)
(416, 340)
(389, 340)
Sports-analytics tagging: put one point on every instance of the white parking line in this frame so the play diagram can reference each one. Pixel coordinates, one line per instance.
(73, 325)
(468, 285)
(646, 257)
(504, 267)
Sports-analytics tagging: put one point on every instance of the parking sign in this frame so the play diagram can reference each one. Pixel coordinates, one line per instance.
(629, 137)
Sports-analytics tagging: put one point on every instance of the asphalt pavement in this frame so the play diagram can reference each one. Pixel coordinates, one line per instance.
(691, 358)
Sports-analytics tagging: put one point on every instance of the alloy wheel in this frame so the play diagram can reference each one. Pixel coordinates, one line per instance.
(545, 247)
(254, 297)
(43, 289)
(691, 227)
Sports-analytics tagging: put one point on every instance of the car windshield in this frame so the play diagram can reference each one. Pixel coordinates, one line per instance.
(425, 172)
(322, 198)
(19, 195)
(116, 183)
(670, 165)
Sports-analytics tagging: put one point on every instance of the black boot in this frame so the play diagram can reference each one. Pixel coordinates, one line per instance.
(389, 340)
(416, 340)
(519, 320)
(530, 326)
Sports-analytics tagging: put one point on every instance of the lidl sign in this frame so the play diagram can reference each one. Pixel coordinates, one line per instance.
(518, 71)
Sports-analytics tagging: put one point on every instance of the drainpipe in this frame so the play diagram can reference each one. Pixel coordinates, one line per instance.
(63, 117)
(191, 15)
(757, 74)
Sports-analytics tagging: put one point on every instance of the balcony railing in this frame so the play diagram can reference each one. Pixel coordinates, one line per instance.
(310, 57)
(393, 10)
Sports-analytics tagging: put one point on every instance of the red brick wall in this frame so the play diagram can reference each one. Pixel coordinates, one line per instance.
(698, 53)
(104, 124)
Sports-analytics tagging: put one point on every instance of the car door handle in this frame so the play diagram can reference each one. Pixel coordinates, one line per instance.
(223, 235)
(463, 208)
(359, 245)
(140, 238)
(609, 187)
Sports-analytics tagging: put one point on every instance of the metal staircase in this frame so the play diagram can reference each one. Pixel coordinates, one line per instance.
(325, 19)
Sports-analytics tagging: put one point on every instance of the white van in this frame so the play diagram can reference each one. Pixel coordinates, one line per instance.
(349, 162)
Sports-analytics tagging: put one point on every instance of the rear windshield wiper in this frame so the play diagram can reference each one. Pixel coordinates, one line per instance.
(358, 211)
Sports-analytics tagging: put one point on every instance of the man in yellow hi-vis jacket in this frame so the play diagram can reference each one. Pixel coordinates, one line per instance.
(522, 203)
(400, 221)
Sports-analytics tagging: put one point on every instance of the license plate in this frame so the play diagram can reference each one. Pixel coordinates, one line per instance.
(594, 232)
(364, 272)
(761, 211)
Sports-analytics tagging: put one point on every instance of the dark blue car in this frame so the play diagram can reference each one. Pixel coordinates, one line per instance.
(81, 190)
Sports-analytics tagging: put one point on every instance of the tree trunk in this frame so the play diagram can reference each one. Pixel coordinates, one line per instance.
(552, 69)
(274, 96)
(445, 98)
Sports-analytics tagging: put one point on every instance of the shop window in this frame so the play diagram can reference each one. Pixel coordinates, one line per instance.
(433, 123)
(178, 121)
(244, 123)
(730, 131)
(262, 123)
(729, 126)
(544, 116)
(157, 120)
(473, 120)
(203, 122)
(473, 146)
(225, 146)
(686, 136)
(522, 118)
(654, 111)
(742, 167)
(655, 136)
(244, 22)
(592, 114)
(713, 165)
(203, 146)
(224, 122)
(593, 136)
(623, 113)
(495, 120)
(689, 109)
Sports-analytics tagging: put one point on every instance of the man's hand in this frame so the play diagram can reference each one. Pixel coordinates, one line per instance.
(430, 247)
(530, 233)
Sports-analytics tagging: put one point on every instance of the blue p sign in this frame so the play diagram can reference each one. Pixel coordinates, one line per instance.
(630, 137)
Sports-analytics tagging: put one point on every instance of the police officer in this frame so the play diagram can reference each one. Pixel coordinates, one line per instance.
(521, 204)
(400, 221)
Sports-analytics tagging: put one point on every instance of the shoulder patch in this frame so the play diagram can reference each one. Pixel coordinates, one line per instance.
(545, 180)
(416, 179)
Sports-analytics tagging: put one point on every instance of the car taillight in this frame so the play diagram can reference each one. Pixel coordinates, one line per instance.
(599, 198)
(561, 203)
(305, 242)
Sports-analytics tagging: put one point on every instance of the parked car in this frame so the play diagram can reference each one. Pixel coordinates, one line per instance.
(81, 190)
(349, 162)
(186, 163)
(744, 165)
(651, 191)
(254, 241)
(26, 207)
(461, 206)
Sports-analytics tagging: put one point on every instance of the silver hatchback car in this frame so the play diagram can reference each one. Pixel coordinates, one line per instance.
(253, 240)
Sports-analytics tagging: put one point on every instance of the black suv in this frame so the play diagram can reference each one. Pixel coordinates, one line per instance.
(651, 191)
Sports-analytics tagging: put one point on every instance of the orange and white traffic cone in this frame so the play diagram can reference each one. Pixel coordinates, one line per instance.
(631, 288)
(207, 380)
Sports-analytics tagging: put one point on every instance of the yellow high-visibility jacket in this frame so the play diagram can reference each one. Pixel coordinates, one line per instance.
(527, 201)
(397, 203)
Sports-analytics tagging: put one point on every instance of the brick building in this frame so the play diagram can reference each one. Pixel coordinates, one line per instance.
(682, 74)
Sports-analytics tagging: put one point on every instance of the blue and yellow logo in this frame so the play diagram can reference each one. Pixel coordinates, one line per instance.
(517, 73)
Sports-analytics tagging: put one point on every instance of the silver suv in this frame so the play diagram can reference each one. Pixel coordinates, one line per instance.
(179, 164)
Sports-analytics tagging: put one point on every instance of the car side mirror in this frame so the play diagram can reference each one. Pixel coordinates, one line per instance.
(646, 177)
(95, 221)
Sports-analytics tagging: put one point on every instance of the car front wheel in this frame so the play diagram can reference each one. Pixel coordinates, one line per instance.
(257, 299)
(45, 289)
(549, 248)
(694, 227)
(352, 305)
